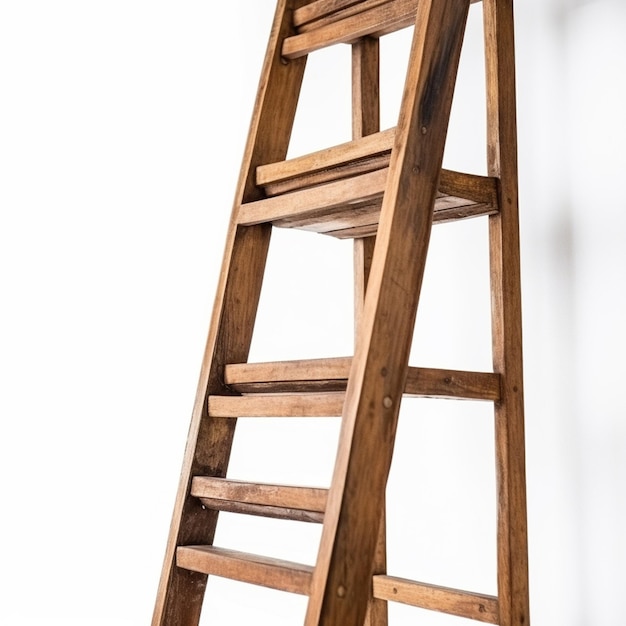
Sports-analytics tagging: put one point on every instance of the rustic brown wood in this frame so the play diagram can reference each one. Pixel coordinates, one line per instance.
(244, 377)
(381, 19)
(337, 16)
(308, 498)
(308, 202)
(361, 220)
(366, 121)
(439, 383)
(317, 192)
(388, 184)
(481, 608)
(360, 156)
(313, 375)
(350, 151)
(341, 581)
(261, 510)
(361, 166)
(342, 207)
(279, 501)
(274, 405)
(180, 592)
(506, 315)
(248, 568)
(320, 9)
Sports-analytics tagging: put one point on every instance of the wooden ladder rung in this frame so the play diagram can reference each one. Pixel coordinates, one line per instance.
(323, 12)
(372, 18)
(277, 405)
(244, 567)
(339, 191)
(305, 504)
(312, 13)
(327, 22)
(321, 160)
(316, 375)
(341, 207)
(478, 607)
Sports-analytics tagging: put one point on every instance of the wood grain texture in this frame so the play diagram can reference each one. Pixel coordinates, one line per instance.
(342, 14)
(308, 498)
(341, 207)
(478, 607)
(320, 9)
(277, 405)
(180, 592)
(360, 148)
(262, 510)
(381, 19)
(366, 121)
(277, 501)
(341, 581)
(338, 191)
(248, 568)
(506, 315)
(332, 375)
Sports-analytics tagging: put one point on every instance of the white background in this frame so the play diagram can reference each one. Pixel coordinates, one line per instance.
(122, 125)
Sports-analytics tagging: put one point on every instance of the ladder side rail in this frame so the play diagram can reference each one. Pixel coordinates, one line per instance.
(506, 315)
(181, 592)
(366, 121)
(341, 581)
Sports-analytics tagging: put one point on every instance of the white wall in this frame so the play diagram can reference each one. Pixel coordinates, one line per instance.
(121, 131)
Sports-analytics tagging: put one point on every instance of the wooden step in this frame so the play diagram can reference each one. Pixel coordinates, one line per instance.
(306, 504)
(369, 17)
(317, 375)
(275, 405)
(247, 568)
(323, 12)
(327, 22)
(481, 608)
(338, 191)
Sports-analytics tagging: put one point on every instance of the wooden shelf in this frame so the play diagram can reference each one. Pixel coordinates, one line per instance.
(244, 567)
(309, 377)
(339, 191)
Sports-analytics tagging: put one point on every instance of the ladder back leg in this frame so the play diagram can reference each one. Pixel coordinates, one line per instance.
(506, 315)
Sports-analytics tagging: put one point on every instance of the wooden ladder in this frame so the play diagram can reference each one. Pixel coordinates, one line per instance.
(384, 190)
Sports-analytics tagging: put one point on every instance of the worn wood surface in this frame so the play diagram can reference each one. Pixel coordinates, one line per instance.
(341, 581)
(338, 191)
(506, 315)
(323, 374)
(181, 592)
(310, 498)
(381, 19)
(388, 184)
(366, 121)
(348, 206)
(320, 10)
(306, 504)
(248, 568)
(478, 607)
(277, 405)
(360, 148)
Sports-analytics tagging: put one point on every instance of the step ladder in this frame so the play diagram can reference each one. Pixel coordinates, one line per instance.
(384, 190)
